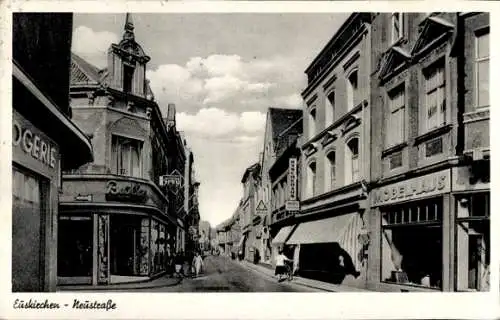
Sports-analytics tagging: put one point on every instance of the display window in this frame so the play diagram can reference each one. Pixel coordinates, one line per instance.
(128, 250)
(75, 243)
(473, 242)
(412, 243)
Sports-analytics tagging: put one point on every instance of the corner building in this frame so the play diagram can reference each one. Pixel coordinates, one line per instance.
(115, 221)
(44, 142)
(429, 221)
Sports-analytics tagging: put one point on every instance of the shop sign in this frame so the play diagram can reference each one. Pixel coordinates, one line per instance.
(292, 178)
(80, 197)
(292, 205)
(33, 143)
(261, 208)
(432, 184)
(125, 191)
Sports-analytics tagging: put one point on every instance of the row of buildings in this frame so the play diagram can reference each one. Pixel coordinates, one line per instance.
(103, 185)
(382, 180)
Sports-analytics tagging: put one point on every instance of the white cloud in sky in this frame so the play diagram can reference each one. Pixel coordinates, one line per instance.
(93, 45)
(228, 83)
(217, 123)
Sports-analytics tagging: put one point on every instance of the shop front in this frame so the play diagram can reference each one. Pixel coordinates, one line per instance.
(412, 233)
(38, 157)
(472, 201)
(113, 230)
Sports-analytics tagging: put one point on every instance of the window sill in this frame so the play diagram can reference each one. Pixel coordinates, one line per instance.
(481, 113)
(394, 148)
(433, 133)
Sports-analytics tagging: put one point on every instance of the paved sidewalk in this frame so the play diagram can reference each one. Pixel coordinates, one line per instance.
(163, 281)
(315, 284)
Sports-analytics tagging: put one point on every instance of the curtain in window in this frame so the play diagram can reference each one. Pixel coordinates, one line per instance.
(435, 98)
(483, 70)
(395, 124)
(135, 160)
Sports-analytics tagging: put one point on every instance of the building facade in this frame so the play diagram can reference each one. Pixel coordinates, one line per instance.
(335, 158)
(249, 247)
(429, 221)
(277, 121)
(44, 142)
(117, 222)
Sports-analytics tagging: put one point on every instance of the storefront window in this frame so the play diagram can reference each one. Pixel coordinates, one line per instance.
(154, 244)
(127, 251)
(412, 243)
(473, 242)
(75, 243)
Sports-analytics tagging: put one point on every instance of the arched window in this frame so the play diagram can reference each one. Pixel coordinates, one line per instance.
(311, 179)
(330, 170)
(312, 123)
(330, 108)
(352, 88)
(352, 161)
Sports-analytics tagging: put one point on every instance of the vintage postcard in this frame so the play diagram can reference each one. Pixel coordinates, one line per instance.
(337, 155)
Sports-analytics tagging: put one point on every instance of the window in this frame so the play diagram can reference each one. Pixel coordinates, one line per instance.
(482, 69)
(330, 108)
(412, 243)
(352, 87)
(397, 27)
(127, 156)
(128, 75)
(311, 179)
(352, 161)
(312, 123)
(395, 123)
(330, 175)
(396, 160)
(435, 96)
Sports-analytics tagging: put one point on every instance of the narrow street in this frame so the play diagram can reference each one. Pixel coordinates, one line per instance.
(222, 274)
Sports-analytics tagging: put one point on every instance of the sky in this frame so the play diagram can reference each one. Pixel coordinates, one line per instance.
(222, 70)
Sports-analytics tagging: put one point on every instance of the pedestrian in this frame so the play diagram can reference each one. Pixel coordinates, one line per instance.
(280, 265)
(198, 264)
(178, 259)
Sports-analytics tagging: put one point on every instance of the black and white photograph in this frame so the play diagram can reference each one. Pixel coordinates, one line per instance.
(268, 152)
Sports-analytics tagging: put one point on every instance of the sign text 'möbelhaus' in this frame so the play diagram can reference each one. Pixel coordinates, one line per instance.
(428, 185)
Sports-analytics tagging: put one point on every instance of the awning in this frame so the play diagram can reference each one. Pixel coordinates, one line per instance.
(241, 241)
(321, 231)
(282, 235)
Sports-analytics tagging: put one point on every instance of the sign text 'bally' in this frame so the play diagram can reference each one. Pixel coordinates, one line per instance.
(126, 192)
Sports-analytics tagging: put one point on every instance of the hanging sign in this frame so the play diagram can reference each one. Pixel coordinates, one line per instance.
(292, 179)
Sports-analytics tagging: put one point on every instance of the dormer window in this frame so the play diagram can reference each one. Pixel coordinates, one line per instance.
(128, 76)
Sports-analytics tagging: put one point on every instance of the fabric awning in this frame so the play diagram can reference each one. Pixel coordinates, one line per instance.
(321, 231)
(282, 235)
(241, 241)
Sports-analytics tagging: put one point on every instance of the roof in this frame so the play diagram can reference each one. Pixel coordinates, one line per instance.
(82, 72)
(288, 136)
(254, 169)
(282, 119)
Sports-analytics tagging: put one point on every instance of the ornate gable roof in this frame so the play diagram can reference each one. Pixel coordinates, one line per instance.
(393, 59)
(433, 30)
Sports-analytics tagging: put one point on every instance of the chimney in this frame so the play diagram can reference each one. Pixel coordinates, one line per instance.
(171, 116)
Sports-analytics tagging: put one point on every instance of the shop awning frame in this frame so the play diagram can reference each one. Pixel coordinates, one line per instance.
(321, 231)
(283, 235)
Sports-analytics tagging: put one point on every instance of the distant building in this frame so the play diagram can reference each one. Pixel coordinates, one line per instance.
(44, 143)
(248, 244)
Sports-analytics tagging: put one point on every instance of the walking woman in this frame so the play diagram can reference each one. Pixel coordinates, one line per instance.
(198, 264)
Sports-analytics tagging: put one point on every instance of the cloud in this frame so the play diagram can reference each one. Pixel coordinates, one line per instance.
(215, 123)
(93, 45)
(228, 82)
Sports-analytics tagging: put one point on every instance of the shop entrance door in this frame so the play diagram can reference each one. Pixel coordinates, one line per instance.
(75, 243)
